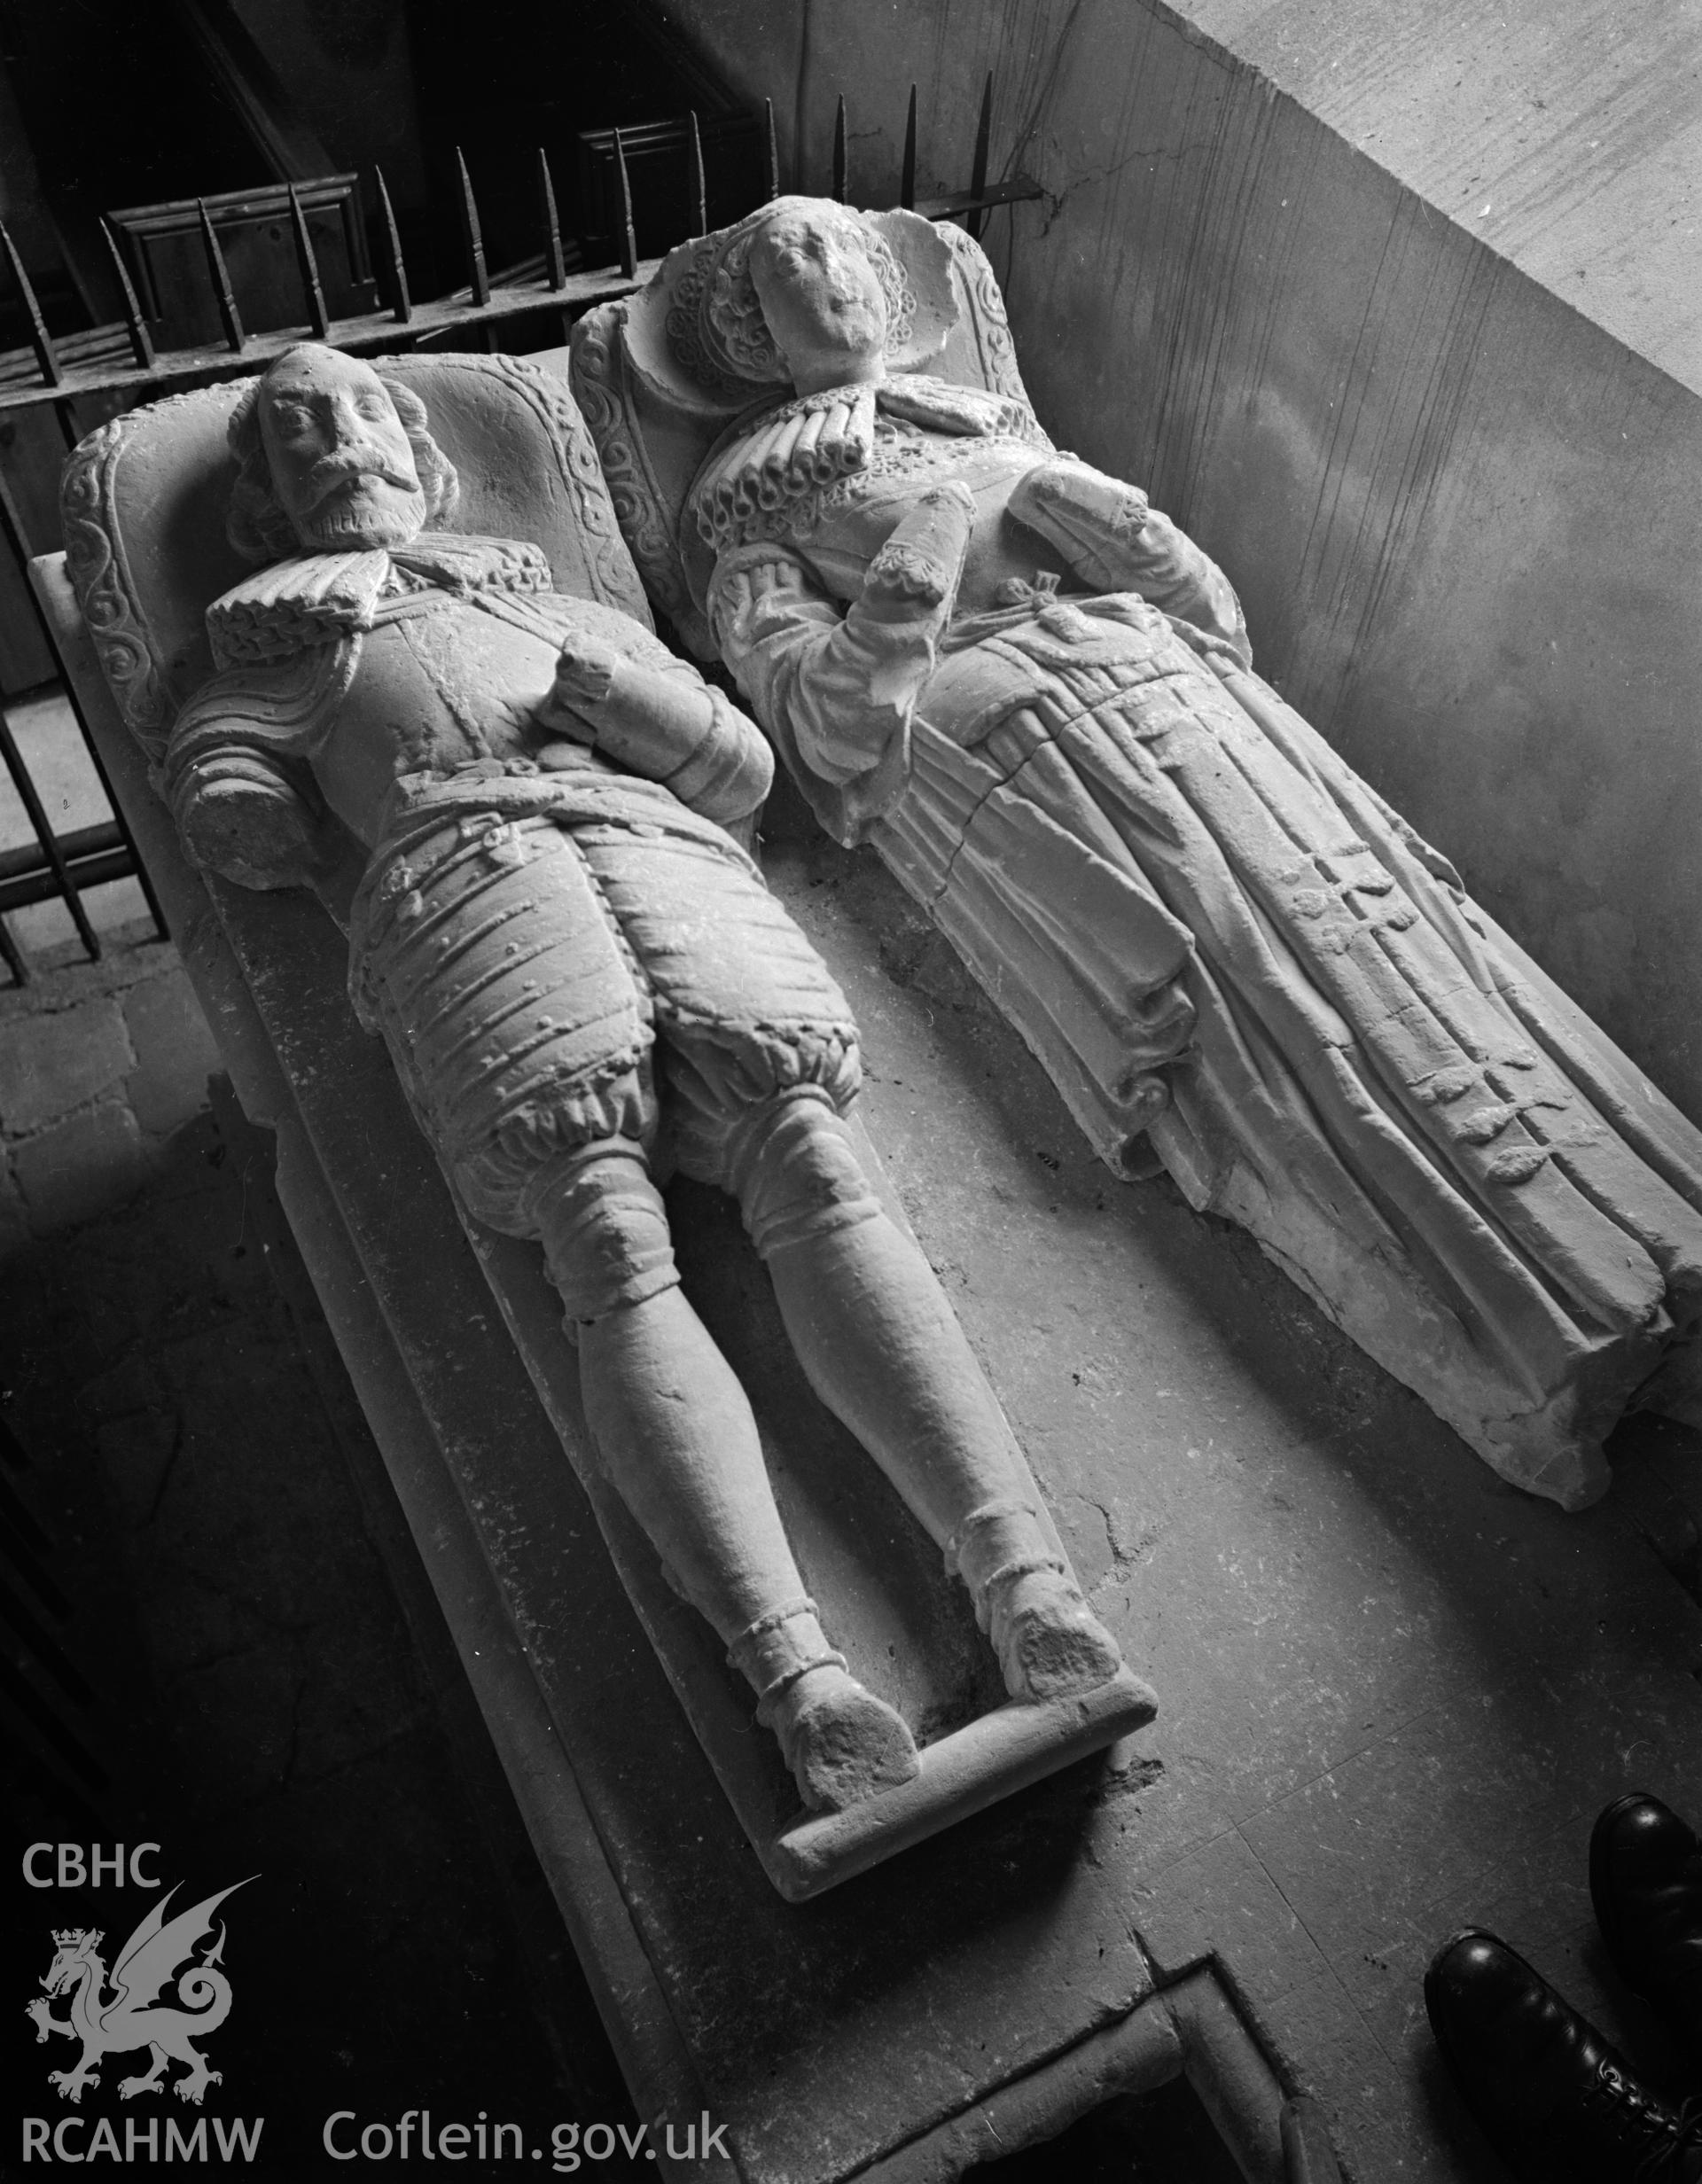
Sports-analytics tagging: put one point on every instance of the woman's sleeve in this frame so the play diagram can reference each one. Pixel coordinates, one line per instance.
(1114, 541)
(835, 688)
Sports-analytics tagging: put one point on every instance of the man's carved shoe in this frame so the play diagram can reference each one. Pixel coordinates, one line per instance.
(842, 1743)
(1049, 1642)
(1645, 1878)
(1555, 2100)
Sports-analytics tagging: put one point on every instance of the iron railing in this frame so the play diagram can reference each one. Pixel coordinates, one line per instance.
(119, 365)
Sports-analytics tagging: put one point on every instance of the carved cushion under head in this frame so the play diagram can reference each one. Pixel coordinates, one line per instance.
(653, 429)
(145, 499)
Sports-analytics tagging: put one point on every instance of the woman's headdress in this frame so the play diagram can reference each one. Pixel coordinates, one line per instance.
(698, 334)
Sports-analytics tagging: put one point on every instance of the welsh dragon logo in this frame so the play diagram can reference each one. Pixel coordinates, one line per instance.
(133, 2016)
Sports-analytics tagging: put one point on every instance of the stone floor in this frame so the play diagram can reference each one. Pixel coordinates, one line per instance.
(54, 755)
(219, 1640)
(237, 1660)
(1395, 1691)
(100, 1064)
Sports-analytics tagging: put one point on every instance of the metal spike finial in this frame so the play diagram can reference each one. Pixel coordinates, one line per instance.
(907, 179)
(555, 266)
(771, 147)
(141, 340)
(221, 278)
(838, 152)
(46, 356)
(699, 188)
(623, 205)
(401, 303)
(478, 279)
(319, 317)
(977, 172)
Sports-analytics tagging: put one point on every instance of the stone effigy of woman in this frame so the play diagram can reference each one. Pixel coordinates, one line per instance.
(1034, 696)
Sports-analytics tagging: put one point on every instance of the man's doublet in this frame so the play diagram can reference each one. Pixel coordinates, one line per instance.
(383, 671)
(524, 936)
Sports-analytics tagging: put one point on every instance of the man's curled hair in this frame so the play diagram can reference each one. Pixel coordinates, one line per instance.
(257, 526)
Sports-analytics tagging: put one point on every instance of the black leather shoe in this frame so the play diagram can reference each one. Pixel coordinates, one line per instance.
(1558, 2104)
(1645, 1877)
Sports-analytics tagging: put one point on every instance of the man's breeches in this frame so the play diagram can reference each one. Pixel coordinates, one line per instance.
(541, 987)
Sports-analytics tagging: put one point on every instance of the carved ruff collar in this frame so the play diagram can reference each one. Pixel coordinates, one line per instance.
(315, 598)
(815, 440)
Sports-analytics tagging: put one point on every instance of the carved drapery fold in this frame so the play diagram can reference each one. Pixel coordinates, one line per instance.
(1220, 944)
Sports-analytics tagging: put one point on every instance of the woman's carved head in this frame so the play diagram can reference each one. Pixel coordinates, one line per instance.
(805, 291)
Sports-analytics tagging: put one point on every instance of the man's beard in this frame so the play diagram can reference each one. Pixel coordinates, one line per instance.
(380, 514)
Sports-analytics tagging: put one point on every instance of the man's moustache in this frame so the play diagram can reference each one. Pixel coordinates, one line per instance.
(324, 481)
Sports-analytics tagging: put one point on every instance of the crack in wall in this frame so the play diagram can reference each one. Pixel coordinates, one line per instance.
(1055, 200)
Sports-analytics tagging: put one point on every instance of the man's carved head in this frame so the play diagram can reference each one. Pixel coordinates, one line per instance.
(332, 456)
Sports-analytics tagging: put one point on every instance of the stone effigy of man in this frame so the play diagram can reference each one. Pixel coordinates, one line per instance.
(574, 965)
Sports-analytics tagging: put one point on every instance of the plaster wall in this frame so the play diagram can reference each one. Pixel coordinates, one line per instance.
(347, 64)
(1567, 134)
(1463, 516)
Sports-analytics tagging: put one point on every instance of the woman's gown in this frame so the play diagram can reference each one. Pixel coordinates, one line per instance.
(1184, 900)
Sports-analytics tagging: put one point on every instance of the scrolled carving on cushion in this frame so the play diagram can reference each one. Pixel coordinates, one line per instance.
(101, 579)
(612, 577)
(986, 313)
(604, 398)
